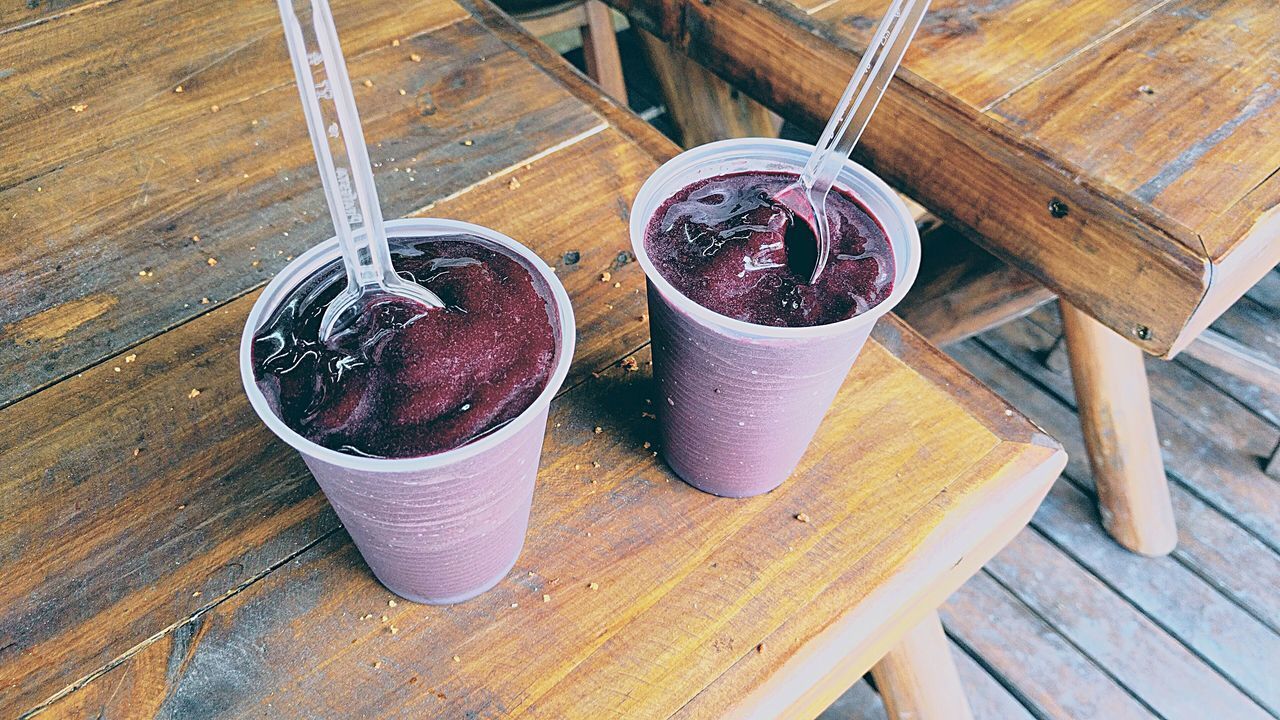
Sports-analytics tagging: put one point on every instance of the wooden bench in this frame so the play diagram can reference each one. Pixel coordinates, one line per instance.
(1123, 155)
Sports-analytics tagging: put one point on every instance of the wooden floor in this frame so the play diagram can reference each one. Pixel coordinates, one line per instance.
(1065, 624)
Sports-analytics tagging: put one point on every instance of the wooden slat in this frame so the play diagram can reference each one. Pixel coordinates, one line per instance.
(1149, 662)
(124, 581)
(1254, 324)
(987, 697)
(124, 60)
(1209, 543)
(21, 14)
(1188, 96)
(141, 203)
(703, 107)
(1201, 618)
(962, 290)
(982, 52)
(1233, 358)
(1130, 266)
(1053, 676)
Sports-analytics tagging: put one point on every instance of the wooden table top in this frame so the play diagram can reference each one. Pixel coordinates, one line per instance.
(163, 554)
(1124, 152)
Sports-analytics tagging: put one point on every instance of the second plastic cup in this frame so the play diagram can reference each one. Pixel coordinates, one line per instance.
(738, 403)
(442, 528)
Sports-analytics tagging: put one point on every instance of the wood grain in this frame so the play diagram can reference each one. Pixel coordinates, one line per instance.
(1155, 273)
(962, 290)
(104, 416)
(703, 106)
(1188, 96)
(917, 679)
(1120, 434)
(1214, 442)
(982, 52)
(1053, 676)
(1234, 559)
(633, 509)
(600, 48)
(1208, 623)
(1234, 358)
(146, 196)
(1116, 636)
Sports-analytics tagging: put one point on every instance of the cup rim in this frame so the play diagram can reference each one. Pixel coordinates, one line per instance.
(321, 254)
(906, 252)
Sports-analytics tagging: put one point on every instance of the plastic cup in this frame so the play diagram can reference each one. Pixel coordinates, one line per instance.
(738, 403)
(443, 528)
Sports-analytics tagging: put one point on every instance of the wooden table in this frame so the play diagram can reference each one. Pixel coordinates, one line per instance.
(163, 554)
(1122, 152)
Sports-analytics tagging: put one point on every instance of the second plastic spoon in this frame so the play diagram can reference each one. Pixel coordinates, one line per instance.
(345, 172)
(807, 197)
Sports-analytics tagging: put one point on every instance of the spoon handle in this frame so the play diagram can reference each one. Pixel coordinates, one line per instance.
(862, 95)
(338, 141)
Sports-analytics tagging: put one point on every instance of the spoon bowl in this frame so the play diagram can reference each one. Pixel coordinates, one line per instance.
(806, 198)
(345, 170)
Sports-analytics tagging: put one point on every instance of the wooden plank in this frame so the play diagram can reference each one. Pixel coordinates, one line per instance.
(703, 106)
(1266, 292)
(1233, 358)
(1218, 550)
(988, 698)
(78, 439)
(1256, 250)
(220, 52)
(962, 290)
(294, 630)
(1054, 678)
(638, 131)
(22, 14)
(1129, 266)
(1254, 324)
(1233, 642)
(1140, 655)
(144, 200)
(1114, 405)
(1190, 137)
(1230, 421)
(823, 656)
(982, 52)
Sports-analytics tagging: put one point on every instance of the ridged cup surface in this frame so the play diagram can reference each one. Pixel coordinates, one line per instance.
(738, 403)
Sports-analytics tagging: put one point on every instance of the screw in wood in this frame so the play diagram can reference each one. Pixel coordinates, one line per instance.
(1142, 332)
(1058, 209)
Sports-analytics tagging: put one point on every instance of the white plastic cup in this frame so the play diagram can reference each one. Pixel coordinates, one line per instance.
(443, 528)
(738, 403)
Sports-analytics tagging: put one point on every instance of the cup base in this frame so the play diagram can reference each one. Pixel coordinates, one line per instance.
(461, 597)
(719, 489)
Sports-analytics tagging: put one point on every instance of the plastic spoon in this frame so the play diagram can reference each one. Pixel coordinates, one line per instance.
(807, 197)
(345, 172)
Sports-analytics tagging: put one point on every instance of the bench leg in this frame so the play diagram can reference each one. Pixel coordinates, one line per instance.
(600, 48)
(1120, 435)
(917, 679)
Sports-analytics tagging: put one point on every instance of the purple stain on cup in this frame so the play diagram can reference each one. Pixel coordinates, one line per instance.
(738, 402)
(444, 517)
